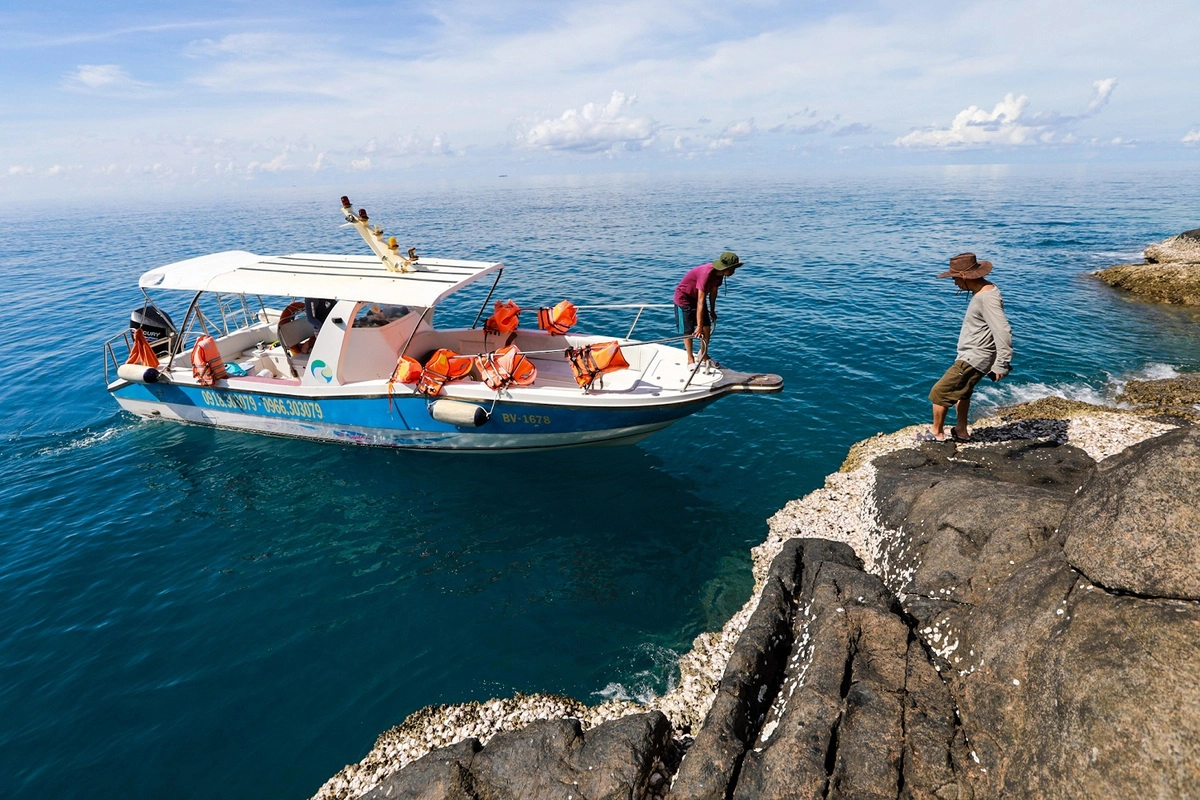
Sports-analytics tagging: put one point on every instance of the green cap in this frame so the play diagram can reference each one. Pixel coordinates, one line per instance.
(726, 260)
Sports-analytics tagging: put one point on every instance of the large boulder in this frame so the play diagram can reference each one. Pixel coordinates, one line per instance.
(966, 520)
(547, 760)
(1173, 283)
(1063, 688)
(1170, 274)
(1135, 526)
(856, 710)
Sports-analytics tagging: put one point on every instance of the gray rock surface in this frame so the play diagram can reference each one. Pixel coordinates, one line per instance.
(1170, 274)
(1063, 689)
(551, 759)
(751, 680)
(1135, 526)
(1184, 248)
(1030, 628)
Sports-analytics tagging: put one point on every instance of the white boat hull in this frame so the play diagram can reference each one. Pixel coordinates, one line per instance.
(404, 422)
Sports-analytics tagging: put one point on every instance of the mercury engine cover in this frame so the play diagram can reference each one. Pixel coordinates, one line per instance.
(155, 324)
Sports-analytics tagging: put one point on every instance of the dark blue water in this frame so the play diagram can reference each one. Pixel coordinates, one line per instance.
(196, 613)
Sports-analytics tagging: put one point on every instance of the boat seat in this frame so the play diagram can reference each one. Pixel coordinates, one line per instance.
(294, 332)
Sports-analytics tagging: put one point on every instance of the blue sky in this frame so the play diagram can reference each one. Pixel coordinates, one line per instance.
(212, 96)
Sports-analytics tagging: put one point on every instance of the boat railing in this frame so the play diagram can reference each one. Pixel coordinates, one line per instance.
(110, 353)
(641, 307)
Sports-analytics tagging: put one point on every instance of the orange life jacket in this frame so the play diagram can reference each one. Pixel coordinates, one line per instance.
(207, 365)
(505, 319)
(559, 319)
(444, 365)
(408, 370)
(505, 367)
(142, 352)
(591, 362)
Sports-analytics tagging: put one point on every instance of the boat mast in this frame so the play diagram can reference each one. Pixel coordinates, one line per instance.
(389, 252)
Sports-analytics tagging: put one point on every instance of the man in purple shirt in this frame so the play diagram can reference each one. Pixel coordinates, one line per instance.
(696, 299)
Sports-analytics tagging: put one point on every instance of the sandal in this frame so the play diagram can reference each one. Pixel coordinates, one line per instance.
(927, 436)
(954, 435)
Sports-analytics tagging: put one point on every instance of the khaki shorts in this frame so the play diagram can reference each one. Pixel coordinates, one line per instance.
(958, 382)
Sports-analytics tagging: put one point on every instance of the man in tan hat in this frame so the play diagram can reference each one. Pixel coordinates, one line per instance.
(984, 348)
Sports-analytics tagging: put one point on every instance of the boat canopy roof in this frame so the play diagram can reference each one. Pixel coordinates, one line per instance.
(332, 277)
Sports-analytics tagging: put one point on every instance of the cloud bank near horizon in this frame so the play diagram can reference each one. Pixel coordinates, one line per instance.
(161, 94)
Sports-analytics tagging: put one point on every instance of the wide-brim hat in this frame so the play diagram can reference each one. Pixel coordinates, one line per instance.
(965, 265)
(726, 261)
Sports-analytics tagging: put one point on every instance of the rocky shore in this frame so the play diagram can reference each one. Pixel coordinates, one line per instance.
(1015, 616)
(1170, 273)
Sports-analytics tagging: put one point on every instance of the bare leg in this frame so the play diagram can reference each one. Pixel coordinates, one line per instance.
(939, 420)
(705, 333)
(961, 409)
(687, 340)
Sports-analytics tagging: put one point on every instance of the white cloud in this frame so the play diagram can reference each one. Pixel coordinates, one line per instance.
(1009, 123)
(102, 77)
(733, 133)
(17, 170)
(277, 164)
(593, 129)
(233, 85)
(1102, 90)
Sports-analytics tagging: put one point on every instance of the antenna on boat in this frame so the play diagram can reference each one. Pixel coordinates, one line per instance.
(388, 253)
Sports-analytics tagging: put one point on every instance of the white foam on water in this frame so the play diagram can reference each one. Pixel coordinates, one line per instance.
(641, 687)
(1006, 393)
(80, 441)
(1012, 393)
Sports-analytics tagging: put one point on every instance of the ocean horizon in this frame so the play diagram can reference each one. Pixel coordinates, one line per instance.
(199, 613)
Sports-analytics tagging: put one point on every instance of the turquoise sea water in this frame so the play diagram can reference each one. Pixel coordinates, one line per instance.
(197, 613)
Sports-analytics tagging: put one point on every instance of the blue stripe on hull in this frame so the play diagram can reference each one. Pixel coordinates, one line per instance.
(403, 421)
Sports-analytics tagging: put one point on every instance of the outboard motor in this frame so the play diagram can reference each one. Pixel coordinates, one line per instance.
(156, 325)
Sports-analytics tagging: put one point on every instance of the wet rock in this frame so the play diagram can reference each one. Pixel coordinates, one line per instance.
(1135, 526)
(859, 711)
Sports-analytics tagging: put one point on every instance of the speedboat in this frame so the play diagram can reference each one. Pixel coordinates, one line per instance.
(343, 348)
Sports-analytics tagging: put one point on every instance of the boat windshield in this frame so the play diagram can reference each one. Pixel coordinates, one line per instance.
(377, 315)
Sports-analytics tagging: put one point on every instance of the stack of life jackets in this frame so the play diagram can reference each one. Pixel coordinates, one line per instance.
(507, 366)
(591, 362)
(443, 366)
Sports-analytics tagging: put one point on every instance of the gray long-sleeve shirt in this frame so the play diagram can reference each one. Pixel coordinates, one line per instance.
(985, 341)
